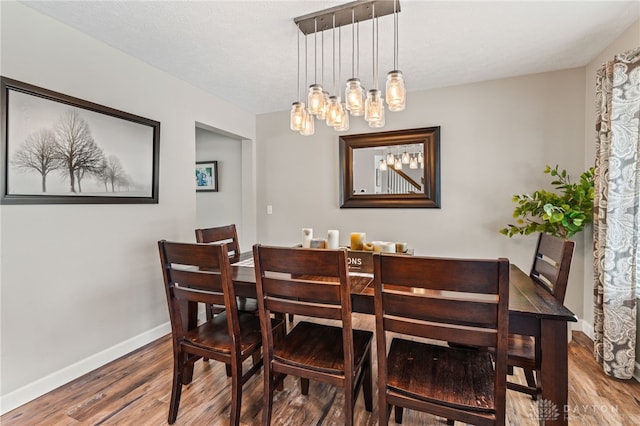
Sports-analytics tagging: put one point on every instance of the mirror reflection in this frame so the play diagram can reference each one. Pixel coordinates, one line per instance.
(398, 169)
(390, 169)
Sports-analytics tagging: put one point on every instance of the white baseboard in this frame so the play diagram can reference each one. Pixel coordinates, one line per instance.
(583, 326)
(56, 379)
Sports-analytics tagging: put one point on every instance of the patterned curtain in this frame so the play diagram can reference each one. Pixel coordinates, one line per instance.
(617, 214)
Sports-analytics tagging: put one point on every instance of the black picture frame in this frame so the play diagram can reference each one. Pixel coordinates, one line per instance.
(58, 149)
(206, 176)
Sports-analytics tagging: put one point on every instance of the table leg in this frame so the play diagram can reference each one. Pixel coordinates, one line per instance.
(554, 373)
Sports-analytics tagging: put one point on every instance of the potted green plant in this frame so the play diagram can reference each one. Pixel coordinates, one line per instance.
(562, 214)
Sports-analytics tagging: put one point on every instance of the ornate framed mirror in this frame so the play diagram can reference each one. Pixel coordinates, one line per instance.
(399, 168)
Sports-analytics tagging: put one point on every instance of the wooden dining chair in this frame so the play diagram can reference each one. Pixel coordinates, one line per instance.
(195, 274)
(315, 283)
(229, 235)
(550, 270)
(463, 302)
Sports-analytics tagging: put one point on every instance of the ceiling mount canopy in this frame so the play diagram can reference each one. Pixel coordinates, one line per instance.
(319, 102)
(362, 11)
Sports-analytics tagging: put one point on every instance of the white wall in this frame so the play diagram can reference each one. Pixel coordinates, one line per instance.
(496, 138)
(630, 39)
(225, 206)
(81, 284)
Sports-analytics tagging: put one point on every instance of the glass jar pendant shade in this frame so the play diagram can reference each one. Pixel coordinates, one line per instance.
(315, 99)
(374, 109)
(333, 110)
(342, 122)
(383, 165)
(322, 115)
(398, 164)
(308, 127)
(390, 159)
(413, 163)
(396, 92)
(354, 97)
(405, 158)
(297, 116)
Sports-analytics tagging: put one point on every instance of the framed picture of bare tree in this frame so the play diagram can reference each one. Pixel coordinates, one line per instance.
(57, 149)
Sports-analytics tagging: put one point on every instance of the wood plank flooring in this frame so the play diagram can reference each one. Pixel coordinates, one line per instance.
(135, 390)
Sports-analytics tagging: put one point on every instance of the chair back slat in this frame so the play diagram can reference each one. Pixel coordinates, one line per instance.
(438, 307)
(319, 262)
(191, 255)
(551, 264)
(471, 276)
(303, 289)
(298, 307)
(221, 234)
(456, 334)
(196, 278)
(196, 295)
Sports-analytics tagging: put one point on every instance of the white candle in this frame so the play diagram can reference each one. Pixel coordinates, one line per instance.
(388, 247)
(307, 235)
(332, 240)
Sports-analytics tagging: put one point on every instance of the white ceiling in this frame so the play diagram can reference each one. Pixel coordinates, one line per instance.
(245, 51)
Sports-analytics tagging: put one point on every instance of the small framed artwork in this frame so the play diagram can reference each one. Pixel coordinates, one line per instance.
(57, 149)
(207, 176)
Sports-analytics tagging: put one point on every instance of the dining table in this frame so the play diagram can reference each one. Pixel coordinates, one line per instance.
(533, 311)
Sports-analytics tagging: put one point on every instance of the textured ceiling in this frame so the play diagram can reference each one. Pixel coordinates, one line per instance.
(245, 51)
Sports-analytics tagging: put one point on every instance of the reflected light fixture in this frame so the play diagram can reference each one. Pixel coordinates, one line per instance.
(329, 107)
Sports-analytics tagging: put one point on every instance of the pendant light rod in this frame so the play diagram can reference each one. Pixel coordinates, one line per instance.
(395, 36)
(299, 96)
(315, 53)
(358, 11)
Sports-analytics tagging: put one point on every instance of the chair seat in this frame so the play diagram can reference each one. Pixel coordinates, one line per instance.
(326, 354)
(456, 377)
(214, 334)
(522, 351)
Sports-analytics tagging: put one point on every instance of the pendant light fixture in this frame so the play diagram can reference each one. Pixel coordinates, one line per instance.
(374, 105)
(342, 120)
(307, 128)
(396, 92)
(383, 165)
(354, 93)
(297, 108)
(315, 97)
(330, 108)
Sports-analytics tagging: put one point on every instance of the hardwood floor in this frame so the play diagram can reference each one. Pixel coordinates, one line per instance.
(136, 389)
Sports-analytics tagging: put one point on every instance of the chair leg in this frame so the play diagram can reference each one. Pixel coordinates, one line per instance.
(176, 391)
(398, 412)
(348, 405)
(531, 381)
(304, 386)
(256, 357)
(290, 317)
(236, 393)
(267, 395)
(450, 421)
(227, 368)
(367, 384)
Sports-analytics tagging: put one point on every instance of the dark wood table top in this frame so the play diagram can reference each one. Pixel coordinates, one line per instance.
(525, 297)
